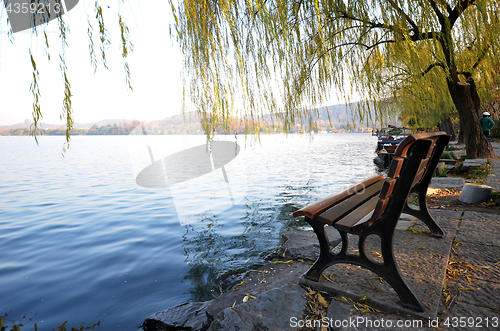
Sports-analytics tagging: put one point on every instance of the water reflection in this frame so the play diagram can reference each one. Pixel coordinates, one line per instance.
(257, 225)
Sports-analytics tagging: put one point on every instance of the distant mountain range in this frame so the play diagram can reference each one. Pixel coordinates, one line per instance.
(339, 116)
(27, 123)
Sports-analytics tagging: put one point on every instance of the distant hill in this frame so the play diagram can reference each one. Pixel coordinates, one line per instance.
(26, 124)
(334, 118)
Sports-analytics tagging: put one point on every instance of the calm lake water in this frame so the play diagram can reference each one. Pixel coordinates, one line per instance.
(81, 241)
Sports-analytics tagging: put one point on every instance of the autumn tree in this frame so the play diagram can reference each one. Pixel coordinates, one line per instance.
(284, 57)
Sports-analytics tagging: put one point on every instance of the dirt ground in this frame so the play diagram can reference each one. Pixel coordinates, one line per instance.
(448, 199)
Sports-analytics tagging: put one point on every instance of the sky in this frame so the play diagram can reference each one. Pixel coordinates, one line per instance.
(155, 66)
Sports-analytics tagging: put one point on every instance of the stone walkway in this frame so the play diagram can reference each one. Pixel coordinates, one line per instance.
(493, 178)
(271, 299)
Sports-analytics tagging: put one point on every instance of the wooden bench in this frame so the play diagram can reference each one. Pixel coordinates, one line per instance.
(374, 206)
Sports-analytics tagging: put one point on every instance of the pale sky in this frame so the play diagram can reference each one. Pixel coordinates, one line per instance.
(155, 67)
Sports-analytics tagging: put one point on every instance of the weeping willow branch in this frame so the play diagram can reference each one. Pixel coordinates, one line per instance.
(35, 91)
(63, 31)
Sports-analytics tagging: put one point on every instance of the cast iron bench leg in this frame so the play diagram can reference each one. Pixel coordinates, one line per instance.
(423, 214)
(325, 258)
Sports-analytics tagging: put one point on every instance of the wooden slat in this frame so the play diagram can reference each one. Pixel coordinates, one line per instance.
(341, 209)
(348, 221)
(431, 149)
(395, 168)
(377, 213)
(388, 187)
(420, 172)
(320, 206)
(405, 144)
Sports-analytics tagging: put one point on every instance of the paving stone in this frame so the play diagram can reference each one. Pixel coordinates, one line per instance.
(447, 220)
(255, 282)
(493, 178)
(457, 154)
(473, 163)
(447, 182)
(483, 259)
(479, 227)
(339, 311)
(403, 225)
(407, 217)
(479, 293)
(271, 311)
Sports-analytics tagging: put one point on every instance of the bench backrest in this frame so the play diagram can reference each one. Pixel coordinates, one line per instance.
(411, 170)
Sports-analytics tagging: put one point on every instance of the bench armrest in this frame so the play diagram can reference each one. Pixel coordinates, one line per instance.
(320, 206)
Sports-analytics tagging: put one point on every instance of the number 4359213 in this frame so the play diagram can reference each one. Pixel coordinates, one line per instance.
(471, 322)
(33, 8)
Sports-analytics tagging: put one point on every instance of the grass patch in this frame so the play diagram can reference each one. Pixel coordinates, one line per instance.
(492, 202)
(443, 173)
(446, 156)
(478, 174)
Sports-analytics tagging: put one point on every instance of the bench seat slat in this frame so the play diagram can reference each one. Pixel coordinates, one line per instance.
(347, 222)
(338, 211)
(318, 207)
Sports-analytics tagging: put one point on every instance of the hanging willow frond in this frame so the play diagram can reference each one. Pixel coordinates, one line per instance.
(285, 58)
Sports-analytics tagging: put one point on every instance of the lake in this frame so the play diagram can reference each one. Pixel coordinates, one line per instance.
(81, 241)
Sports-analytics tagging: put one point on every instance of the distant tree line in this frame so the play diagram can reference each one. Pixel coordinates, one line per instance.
(180, 125)
(123, 128)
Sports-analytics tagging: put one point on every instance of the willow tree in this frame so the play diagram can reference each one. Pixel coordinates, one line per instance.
(98, 37)
(254, 57)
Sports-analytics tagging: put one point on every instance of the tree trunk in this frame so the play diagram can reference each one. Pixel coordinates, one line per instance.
(461, 138)
(465, 98)
(447, 126)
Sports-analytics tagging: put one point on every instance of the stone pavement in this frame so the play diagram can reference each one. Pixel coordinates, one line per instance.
(493, 178)
(464, 298)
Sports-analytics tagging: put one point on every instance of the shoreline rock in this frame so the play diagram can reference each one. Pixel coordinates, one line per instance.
(274, 285)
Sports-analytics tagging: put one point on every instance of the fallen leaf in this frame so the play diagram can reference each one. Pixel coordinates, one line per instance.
(380, 279)
(322, 301)
(276, 262)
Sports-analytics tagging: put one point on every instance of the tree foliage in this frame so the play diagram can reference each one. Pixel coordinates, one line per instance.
(284, 57)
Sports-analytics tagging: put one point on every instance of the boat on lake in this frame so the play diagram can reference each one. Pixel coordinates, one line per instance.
(388, 140)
